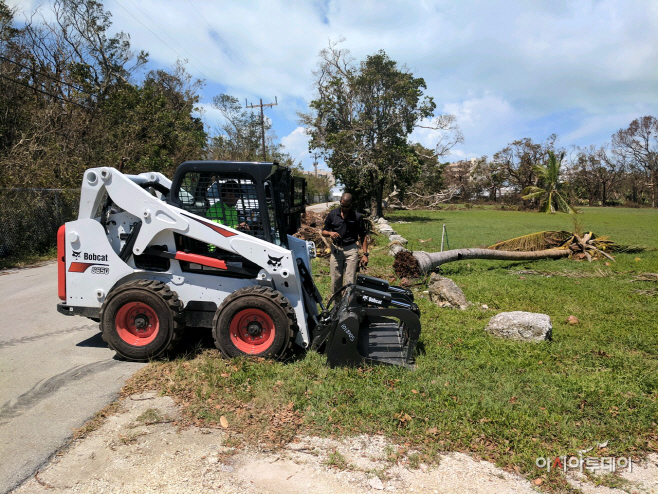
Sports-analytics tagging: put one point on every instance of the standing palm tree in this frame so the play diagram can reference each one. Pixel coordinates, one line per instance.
(549, 175)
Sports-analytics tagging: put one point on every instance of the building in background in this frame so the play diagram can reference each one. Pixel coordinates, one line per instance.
(321, 185)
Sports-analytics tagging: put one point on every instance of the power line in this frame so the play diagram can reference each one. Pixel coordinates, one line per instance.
(228, 47)
(21, 83)
(158, 37)
(179, 45)
(44, 75)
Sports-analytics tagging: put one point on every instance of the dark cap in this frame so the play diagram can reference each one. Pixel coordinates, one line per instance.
(231, 187)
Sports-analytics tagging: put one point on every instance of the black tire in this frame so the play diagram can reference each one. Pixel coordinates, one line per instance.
(142, 319)
(264, 311)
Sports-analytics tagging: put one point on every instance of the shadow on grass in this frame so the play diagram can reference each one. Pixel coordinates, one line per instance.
(413, 219)
(196, 341)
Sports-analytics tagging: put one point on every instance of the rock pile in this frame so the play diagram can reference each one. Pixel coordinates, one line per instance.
(397, 242)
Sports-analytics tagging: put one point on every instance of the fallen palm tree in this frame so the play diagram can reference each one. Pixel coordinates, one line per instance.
(540, 245)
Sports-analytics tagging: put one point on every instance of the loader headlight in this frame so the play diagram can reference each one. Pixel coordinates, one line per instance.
(310, 245)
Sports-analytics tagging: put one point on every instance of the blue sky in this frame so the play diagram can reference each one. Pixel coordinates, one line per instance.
(506, 69)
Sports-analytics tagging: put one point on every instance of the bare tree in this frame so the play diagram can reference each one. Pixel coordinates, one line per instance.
(596, 173)
(638, 144)
(490, 175)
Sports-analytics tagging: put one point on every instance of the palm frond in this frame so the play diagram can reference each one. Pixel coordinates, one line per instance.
(563, 204)
(540, 170)
(532, 192)
(534, 241)
(553, 168)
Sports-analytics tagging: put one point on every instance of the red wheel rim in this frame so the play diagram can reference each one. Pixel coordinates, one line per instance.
(252, 331)
(137, 324)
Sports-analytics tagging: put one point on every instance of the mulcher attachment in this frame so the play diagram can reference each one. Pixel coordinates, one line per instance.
(373, 323)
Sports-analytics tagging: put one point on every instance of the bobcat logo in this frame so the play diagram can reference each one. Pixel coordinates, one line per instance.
(274, 261)
(77, 254)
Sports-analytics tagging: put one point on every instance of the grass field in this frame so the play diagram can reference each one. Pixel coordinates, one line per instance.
(505, 401)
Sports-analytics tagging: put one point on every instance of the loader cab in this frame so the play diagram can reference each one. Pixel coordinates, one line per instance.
(259, 199)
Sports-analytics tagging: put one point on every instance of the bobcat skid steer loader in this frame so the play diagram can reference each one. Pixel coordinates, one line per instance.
(213, 248)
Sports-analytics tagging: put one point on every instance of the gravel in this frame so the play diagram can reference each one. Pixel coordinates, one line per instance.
(127, 455)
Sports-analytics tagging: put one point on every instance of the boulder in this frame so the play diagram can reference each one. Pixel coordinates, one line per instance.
(445, 293)
(523, 326)
(386, 230)
(398, 238)
(394, 248)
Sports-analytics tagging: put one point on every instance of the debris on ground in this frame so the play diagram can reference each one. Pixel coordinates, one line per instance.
(311, 229)
(650, 277)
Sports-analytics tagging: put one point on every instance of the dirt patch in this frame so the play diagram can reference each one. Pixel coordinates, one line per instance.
(141, 449)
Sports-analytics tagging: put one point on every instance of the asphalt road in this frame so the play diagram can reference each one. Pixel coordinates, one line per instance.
(55, 373)
(321, 207)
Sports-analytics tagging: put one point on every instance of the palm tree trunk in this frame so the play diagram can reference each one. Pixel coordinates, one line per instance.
(428, 261)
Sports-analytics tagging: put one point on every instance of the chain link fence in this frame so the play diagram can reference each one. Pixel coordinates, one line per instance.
(30, 218)
(320, 198)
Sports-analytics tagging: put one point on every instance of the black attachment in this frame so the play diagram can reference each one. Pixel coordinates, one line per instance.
(382, 285)
(370, 327)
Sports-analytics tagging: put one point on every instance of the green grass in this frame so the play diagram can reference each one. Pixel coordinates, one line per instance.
(505, 401)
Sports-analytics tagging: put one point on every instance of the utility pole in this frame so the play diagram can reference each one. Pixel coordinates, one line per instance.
(315, 165)
(262, 119)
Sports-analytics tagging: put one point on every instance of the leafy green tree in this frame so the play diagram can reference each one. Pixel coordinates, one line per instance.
(72, 101)
(518, 160)
(152, 126)
(549, 177)
(361, 119)
(238, 137)
(15, 98)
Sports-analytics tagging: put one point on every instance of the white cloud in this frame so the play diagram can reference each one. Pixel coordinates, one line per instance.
(507, 69)
(486, 122)
(296, 144)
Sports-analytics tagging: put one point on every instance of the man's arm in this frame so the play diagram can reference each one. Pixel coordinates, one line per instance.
(327, 232)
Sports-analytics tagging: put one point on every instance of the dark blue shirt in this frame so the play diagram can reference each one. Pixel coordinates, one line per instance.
(350, 229)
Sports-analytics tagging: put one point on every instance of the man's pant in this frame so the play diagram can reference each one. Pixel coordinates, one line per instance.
(344, 261)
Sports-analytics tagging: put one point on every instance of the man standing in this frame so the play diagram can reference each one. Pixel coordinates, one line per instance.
(345, 227)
